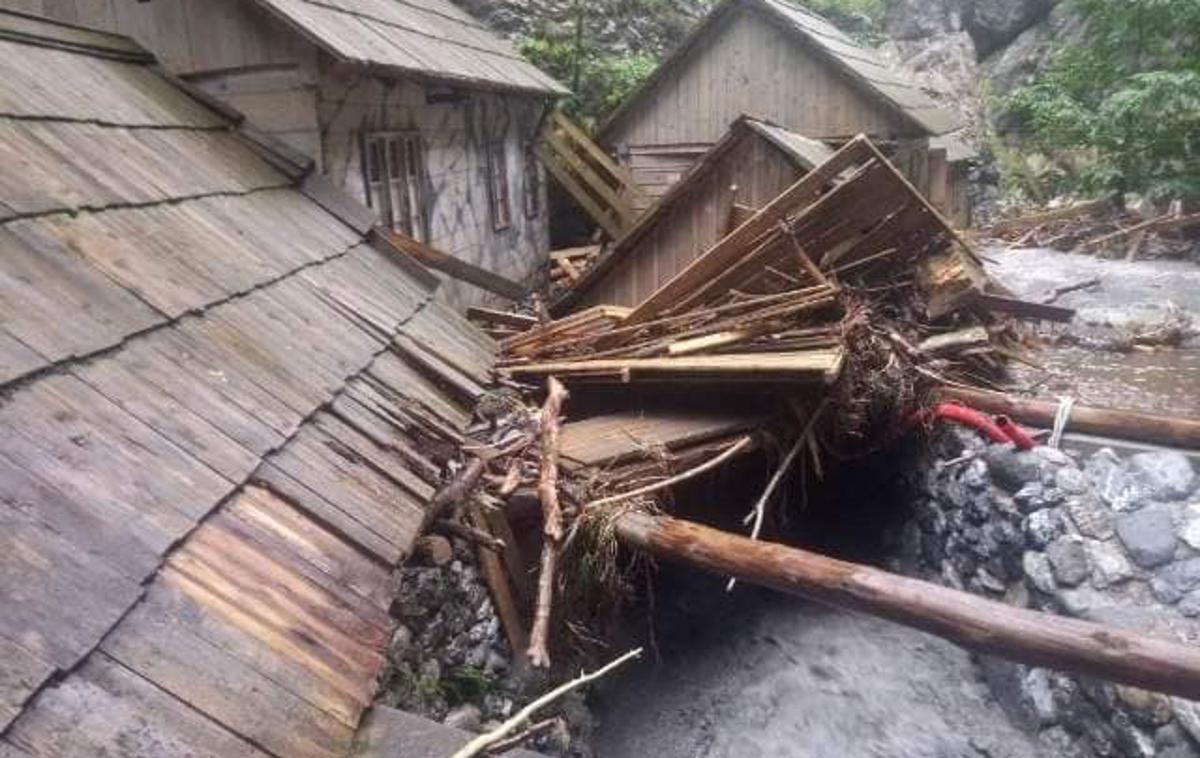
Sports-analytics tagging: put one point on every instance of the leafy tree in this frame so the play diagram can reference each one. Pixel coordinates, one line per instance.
(1128, 93)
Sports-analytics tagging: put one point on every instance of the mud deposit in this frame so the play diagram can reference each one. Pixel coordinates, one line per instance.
(758, 674)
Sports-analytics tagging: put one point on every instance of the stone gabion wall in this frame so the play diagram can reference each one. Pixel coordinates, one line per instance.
(1099, 537)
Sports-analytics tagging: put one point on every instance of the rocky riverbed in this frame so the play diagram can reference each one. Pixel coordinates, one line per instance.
(1100, 536)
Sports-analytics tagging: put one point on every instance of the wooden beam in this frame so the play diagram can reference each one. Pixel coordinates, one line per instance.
(976, 623)
(607, 221)
(599, 188)
(1105, 422)
(1021, 308)
(455, 268)
(493, 316)
(806, 365)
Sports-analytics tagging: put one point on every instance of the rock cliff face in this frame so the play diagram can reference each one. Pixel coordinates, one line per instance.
(618, 26)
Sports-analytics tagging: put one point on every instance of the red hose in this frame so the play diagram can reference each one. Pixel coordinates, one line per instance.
(1019, 436)
(1001, 431)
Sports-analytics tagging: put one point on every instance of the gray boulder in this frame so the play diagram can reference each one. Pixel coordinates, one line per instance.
(1012, 469)
(992, 24)
(1170, 584)
(1068, 560)
(1115, 482)
(1166, 475)
(920, 19)
(1148, 535)
(1108, 563)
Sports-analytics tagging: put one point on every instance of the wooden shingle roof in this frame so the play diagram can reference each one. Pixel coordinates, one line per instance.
(221, 410)
(877, 77)
(429, 38)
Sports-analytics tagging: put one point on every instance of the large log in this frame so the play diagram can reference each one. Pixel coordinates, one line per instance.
(987, 626)
(1105, 422)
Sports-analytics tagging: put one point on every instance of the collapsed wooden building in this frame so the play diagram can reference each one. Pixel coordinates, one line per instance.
(414, 107)
(225, 404)
(780, 62)
(745, 170)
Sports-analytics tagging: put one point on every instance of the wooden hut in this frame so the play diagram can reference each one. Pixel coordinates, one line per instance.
(413, 107)
(777, 61)
(744, 170)
(222, 411)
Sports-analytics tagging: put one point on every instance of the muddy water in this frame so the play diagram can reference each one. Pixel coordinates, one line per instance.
(1131, 295)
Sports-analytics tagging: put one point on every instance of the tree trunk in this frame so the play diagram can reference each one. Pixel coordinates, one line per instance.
(1030, 637)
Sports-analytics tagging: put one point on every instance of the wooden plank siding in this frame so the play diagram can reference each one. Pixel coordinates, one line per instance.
(749, 65)
(752, 171)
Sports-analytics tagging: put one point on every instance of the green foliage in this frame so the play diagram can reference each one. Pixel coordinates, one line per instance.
(468, 684)
(599, 80)
(1128, 92)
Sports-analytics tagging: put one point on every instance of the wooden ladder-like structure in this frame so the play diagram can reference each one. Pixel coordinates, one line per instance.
(601, 187)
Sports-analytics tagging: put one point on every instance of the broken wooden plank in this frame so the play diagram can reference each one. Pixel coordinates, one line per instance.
(732, 247)
(455, 268)
(976, 623)
(617, 437)
(807, 365)
(507, 318)
(1021, 223)
(956, 341)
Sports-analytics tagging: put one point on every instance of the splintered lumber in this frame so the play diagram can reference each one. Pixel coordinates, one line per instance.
(503, 318)
(976, 623)
(956, 341)
(552, 528)
(801, 366)
(499, 588)
(456, 491)
(845, 212)
(1023, 223)
(731, 247)
(1104, 422)
(601, 318)
(575, 253)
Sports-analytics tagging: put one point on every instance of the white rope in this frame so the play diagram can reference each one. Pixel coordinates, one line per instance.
(1061, 417)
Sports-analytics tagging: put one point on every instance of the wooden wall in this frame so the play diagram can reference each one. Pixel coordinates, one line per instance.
(696, 219)
(748, 65)
(455, 136)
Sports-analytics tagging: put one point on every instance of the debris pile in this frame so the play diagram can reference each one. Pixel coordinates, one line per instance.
(841, 308)
(847, 298)
(1098, 227)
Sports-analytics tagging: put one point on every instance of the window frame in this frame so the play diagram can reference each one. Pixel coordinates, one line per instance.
(533, 184)
(497, 181)
(393, 173)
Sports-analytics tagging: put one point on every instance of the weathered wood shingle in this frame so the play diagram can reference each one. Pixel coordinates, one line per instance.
(215, 446)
